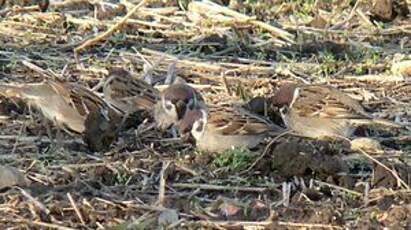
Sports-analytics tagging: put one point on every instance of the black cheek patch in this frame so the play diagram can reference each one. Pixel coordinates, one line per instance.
(169, 107)
(200, 127)
(181, 109)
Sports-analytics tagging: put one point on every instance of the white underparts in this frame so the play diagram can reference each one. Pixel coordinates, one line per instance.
(199, 125)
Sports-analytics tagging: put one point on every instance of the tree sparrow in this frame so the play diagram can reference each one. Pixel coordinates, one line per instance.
(224, 127)
(127, 93)
(65, 104)
(319, 111)
(131, 95)
(173, 103)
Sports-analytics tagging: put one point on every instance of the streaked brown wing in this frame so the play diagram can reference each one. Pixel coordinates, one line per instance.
(231, 121)
(79, 97)
(327, 102)
(127, 90)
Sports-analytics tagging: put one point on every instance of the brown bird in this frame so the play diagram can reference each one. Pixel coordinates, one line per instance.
(65, 104)
(319, 111)
(225, 127)
(132, 94)
(174, 102)
(129, 94)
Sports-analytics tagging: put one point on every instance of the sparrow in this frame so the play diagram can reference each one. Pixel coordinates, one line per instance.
(174, 102)
(322, 112)
(129, 94)
(65, 104)
(99, 132)
(219, 128)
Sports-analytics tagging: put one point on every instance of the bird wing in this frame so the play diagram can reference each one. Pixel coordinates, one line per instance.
(228, 120)
(125, 91)
(327, 102)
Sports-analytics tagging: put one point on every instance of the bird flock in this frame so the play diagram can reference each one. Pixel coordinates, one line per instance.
(311, 111)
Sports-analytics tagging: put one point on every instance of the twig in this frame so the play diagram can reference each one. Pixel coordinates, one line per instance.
(274, 30)
(162, 189)
(366, 193)
(110, 31)
(73, 204)
(352, 14)
(48, 225)
(226, 224)
(352, 192)
(375, 77)
(36, 69)
(393, 173)
(37, 203)
(13, 151)
(186, 169)
(220, 187)
(82, 166)
(365, 18)
(195, 86)
(308, 225)
(259, 224)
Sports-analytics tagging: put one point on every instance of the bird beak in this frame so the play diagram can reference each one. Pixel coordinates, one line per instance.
(188, 138)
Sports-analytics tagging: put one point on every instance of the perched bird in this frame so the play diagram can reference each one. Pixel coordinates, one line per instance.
(223, 127)
(174, 102)
(319, 111)
(127, 93)
(67, 105)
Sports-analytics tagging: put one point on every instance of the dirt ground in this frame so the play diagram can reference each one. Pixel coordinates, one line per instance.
(230, 51)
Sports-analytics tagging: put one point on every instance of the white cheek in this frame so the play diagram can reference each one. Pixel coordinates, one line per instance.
(194, 131)
(296, 94)
(283, 112)
(171, 112)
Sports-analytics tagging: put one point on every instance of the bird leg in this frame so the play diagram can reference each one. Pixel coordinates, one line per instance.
(173, 131)
(46, 124)
(59, 137)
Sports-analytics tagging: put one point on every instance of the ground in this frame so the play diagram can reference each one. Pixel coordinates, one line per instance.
(230, 51)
